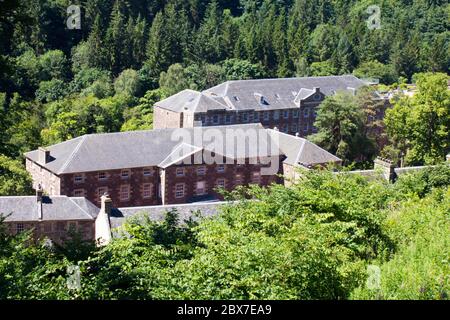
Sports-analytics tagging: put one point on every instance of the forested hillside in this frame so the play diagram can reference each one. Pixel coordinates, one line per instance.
(57, 83)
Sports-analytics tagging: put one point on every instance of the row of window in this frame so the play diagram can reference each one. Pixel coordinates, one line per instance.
(103, 176)
(294, 128)
(256, 116)
(201, 187)
(124, 192)
(201, 171)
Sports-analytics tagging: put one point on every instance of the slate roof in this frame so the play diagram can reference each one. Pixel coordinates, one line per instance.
(157, 213)
(299, 151)
(113, 151)
(54, 208)
(192, 101)
(260, 94)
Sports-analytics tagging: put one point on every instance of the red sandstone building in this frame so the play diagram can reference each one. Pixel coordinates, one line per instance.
(288, 104)
(155, 167)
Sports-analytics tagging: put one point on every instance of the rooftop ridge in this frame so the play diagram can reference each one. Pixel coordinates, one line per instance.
(84, 211)
(72, 155)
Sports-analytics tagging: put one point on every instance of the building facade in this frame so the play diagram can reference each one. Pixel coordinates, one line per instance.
(147, 168)
(290, 104)
(55, 217)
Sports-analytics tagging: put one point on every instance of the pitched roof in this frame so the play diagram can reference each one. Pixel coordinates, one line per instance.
(299, 151)
(135, 149)
(157, 213)
(260, 94)
(192, 101)
(54, 208)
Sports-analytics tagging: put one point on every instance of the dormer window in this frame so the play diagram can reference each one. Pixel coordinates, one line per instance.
(236, 98)
(261, 99)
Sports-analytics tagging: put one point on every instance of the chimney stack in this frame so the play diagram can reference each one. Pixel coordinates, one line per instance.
(102, 223)
(43, 155)
(316, 89)
(106, 204)
(387, 167)
(39, 195)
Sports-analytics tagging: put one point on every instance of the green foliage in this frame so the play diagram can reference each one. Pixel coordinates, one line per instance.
(340, 123)
(127, 82)
(52, 90)
(420, 267)
(375, 70)
(419, 126)
(312, 240)
(14, 179)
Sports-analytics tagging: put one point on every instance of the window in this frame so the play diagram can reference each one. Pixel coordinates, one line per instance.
(200, 188)
(317, 97)
(286, 114)
(78, 193)
(306, 112)
(124, 193)
(266, 115)
(179, 190)
(125, 174)
(236, 98)
(180, 172)
(216, 119)
(102, 176)
(238, 180)
(306, 127)
(256, 177)
(201, 171)
(101, 191)
(294, 128)
(147, 172)
(295, 113)
(220, 183)
(78, 178)
(147, 189)
(245, 117)
(221, 168)
(256, 116)
(285, 128)
(20, 227)
(73, 226)
(228, 118)
(276, 114)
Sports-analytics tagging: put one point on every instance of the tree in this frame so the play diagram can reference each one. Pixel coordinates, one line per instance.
(235, 69)
(128, 82)
(420, 125)
(174, 80)
(95, 46)
(53, 65)
(115, 42)
(340, 126)
(377, 71)
(52, 90)
(14, 179)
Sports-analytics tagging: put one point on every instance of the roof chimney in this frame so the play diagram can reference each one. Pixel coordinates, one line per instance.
(39, 195)
(106, 204)
(102, 222)
(43, 155)
(316, 89)
(387, 167)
